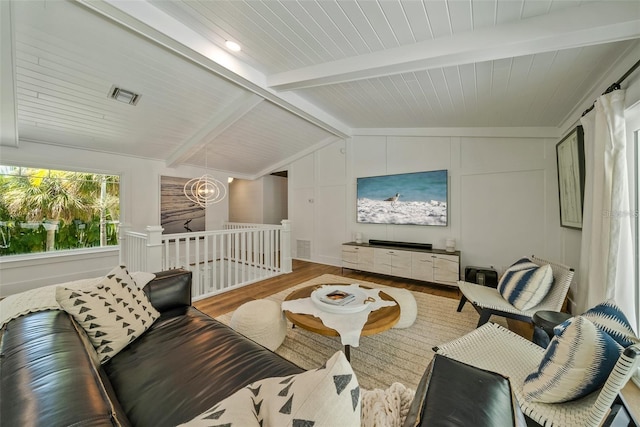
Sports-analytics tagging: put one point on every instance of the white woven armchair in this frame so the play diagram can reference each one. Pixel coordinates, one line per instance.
(487, 301)
(495, 348)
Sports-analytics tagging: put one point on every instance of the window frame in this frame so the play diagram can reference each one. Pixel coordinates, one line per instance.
(632, 122)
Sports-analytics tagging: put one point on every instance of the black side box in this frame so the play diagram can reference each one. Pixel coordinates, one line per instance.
(482, 276)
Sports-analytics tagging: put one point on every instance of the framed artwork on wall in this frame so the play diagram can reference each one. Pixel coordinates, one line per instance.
(178, 214)
(570, 157)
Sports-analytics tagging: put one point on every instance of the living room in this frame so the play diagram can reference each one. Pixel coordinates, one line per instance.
(487, 165)
(502, 176)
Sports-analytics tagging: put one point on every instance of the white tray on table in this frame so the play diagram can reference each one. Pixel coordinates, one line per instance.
(359, 303)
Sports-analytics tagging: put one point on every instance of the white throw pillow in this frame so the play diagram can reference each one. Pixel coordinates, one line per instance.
(525, 284)
(325, 397)
(113, 313)
(142, 278)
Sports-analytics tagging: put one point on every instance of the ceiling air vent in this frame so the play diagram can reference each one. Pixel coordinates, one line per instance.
(124, 95)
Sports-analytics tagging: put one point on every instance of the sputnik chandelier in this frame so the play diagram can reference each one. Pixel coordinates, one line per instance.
(205, 190)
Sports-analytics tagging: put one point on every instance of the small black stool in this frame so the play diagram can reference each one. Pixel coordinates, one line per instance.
(543, 323)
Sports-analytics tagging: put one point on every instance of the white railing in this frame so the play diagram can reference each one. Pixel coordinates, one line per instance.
(220, 260)
(244, 225)
(135, 251)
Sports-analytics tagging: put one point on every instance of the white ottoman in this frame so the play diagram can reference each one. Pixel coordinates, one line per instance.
(262, 321)
(408, 306)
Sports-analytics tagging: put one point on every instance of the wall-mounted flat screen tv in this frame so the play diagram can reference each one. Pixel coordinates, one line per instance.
(418, 198)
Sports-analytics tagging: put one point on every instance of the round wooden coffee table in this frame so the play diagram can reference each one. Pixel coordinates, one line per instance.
(379, 320)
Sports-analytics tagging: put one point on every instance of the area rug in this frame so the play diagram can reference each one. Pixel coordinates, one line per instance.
(396, 355)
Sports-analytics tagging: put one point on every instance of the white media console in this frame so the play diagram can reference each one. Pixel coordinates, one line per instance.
(413, 261)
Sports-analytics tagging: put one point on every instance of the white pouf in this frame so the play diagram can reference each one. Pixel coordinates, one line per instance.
(408, 306)
(262, 321)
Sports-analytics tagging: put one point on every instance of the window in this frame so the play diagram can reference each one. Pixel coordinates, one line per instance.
(632, 119)
(49, 210)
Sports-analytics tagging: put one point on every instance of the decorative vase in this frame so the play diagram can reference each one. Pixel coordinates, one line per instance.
(451, 245)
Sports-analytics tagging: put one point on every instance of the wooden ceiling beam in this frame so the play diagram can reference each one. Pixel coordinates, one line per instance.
(147, 20)
(589, 24)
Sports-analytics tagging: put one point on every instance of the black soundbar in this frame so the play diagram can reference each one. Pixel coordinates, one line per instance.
(408, 245)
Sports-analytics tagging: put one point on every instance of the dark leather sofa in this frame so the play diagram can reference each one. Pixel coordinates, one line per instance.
(184, 364)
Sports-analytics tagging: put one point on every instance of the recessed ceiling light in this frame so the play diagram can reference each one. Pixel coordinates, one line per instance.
(124, 95)
(233, 46)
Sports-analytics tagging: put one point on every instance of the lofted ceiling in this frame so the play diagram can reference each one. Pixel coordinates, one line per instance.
(309, 72)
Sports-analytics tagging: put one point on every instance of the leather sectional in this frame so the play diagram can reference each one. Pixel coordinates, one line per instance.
(183, 365)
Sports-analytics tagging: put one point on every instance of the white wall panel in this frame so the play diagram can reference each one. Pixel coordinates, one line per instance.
(332, 162)
(302, 200)
(502, 196)
(330, 205)
(369, 156)
(318, 209)
(246, 201)
(560, 243)
(20, 276)
(301, 214)
(416, 154)
(331, 224)
(304, 172)
(503, 217)
(480, 155)
(569, 248)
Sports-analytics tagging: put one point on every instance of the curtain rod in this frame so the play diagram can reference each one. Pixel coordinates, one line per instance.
(616, 85)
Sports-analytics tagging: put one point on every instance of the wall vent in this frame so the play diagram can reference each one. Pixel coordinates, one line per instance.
(303, 249)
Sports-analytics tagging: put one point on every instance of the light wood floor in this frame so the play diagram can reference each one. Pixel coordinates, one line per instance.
(303, 271)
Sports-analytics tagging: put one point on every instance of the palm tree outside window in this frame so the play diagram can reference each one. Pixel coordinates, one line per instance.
(49, 210)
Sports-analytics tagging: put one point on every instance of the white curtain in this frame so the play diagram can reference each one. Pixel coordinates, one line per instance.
(606, 260)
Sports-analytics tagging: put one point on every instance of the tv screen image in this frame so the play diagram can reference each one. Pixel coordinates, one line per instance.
(418, 198)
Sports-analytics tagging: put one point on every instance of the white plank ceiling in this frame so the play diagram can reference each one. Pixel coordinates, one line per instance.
(309, 71)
